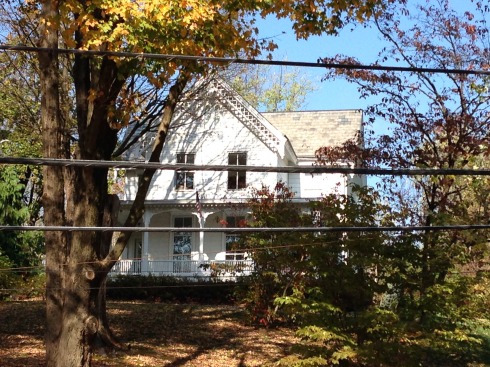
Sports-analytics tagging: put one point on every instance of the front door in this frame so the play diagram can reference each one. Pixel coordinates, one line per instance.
(182, 245)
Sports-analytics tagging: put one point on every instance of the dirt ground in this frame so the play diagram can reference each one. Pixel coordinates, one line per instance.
(159, 334)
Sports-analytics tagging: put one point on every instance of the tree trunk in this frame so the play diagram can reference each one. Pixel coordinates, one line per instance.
(105, 338)
(78, 325)
(81, 279)
(77, 262)
(53, 196)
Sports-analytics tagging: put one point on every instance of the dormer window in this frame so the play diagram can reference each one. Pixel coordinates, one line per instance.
(184, 180)
(237, 180)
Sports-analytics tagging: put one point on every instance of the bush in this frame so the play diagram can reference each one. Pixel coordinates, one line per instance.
(33, 285)
(14, 284)
(166, 288)
(8, 279)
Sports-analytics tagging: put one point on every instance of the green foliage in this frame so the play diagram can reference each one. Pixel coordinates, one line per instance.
(20, 186)
(359, 299)
(20, 284)
(435, 280)
(33, 285)
(22, 248)
(8, 279)
(11, 208)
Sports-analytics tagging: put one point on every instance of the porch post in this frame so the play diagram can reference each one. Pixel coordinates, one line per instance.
(146, 237)
(201, 238)
(201, 226)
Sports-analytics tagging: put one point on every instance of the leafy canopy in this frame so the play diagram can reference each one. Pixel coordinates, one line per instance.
(196, 27)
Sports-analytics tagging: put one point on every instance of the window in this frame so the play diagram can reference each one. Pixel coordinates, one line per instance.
(237, 180)
(184, 180)
(182, 239)
(182, 245)
(232, 239)
(138, 249)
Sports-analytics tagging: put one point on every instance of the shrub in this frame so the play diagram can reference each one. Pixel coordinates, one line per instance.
(166, 288)
(8, 279)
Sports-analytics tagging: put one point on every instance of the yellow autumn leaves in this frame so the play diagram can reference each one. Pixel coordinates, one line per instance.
(195, 27)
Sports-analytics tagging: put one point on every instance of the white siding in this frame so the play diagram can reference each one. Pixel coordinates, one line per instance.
(160, 242)
(211, 140)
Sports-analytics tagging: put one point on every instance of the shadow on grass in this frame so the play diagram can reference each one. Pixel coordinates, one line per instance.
(180, 335)
(21, 334)
(193, 332)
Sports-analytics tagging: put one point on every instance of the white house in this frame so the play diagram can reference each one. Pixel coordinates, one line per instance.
(216, 126)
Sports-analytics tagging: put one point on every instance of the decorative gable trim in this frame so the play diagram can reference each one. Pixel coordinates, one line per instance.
(249, 116)
(215, 89)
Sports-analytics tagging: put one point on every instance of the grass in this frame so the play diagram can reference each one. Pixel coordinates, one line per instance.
(159, 334)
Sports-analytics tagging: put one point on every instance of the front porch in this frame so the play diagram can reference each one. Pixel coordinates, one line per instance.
(186, 253)
(183, 267)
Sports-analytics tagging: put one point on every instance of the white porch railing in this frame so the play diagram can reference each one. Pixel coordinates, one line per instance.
(184, 267)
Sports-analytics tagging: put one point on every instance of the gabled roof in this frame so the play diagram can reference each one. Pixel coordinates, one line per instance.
(309, 130)
(251, 118)
(292, 135)
(212, 89)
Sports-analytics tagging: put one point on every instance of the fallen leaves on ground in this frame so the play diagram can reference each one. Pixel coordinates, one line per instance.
(159, 334)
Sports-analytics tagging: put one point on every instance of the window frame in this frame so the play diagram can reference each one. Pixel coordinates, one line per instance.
(183, 177)
(230, 254)
(237, 180)
(186, 222)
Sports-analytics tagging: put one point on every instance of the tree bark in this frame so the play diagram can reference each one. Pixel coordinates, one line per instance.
(53, 198)
(69, 324)
(77, 262)
(105, 337)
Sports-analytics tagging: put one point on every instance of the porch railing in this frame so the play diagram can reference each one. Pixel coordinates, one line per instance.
(184, 267)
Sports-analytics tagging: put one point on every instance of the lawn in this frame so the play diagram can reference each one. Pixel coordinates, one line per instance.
(159, 334)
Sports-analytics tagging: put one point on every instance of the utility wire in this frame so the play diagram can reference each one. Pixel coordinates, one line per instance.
(228, 60)
(223, 168)
(135, 259)
(184, 285)
(247, 229)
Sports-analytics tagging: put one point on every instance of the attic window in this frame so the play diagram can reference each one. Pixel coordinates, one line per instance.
(237, 180)
(184, 180)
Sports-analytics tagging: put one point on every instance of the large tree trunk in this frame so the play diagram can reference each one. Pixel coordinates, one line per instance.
(53, 198)
(77, 262)
(76, 197)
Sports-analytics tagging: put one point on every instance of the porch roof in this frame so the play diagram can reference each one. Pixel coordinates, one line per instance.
(175, 204)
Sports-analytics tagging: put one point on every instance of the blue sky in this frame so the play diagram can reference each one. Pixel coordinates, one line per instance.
(361, 43)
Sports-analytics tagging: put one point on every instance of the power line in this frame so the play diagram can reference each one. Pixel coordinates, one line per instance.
(247, 229)
(229, 60)
(136, 259)
(223, 168)
(208, 284)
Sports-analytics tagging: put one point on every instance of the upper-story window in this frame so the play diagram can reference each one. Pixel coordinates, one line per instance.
(237, 180)
(184, 180)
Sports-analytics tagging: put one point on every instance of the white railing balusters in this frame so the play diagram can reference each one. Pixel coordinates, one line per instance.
(184, 267)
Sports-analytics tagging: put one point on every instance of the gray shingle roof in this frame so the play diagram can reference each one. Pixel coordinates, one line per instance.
(309, 130)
